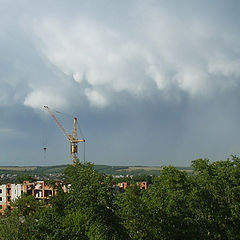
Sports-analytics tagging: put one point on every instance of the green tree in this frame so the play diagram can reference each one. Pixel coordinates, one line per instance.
(91, 209)
(133, 212)
(216, 197)
(10, 228)
(26, 205)
(21, 222)
(50, 224)
(25, 177)
(168, 201)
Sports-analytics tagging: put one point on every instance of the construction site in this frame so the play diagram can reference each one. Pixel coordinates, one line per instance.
(43, 190)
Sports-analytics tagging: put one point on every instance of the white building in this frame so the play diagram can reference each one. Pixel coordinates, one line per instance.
(16, 191)
(3, 198)
(8, 193)
(3, 194)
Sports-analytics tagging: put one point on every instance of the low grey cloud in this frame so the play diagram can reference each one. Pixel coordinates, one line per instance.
(162, 65)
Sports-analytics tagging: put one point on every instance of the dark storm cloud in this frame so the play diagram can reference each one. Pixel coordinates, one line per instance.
(153, 82)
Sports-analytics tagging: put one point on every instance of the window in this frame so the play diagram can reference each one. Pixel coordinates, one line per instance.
(0, 206)
(0, 199)
(0, 190)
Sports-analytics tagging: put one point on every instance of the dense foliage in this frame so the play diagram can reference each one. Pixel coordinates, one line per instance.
(204, 205)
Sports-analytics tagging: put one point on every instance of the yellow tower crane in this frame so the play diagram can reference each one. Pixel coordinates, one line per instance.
(72, 138)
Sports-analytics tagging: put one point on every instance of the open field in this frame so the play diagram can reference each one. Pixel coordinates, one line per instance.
(18, 168)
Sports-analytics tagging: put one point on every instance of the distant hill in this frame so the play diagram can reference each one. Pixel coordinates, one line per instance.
(113, 170)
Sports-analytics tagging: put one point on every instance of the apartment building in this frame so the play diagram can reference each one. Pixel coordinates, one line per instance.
(121, 187)
(143, 185)
(40, 190)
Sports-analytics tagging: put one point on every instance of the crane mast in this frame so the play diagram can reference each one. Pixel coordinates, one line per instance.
(72, 138)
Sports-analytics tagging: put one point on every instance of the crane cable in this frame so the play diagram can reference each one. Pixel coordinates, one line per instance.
(44, 142)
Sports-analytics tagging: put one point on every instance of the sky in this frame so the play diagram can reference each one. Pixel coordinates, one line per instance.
(151, 82)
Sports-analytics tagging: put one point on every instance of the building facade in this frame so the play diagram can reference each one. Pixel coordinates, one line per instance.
(121, 187)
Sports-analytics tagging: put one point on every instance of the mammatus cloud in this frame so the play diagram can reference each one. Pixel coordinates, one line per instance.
(95, 98)
(154, 48)
(170, 54)
(96, 54)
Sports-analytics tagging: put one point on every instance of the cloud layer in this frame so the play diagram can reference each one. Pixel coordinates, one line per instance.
(151, 50)
(153, 46)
